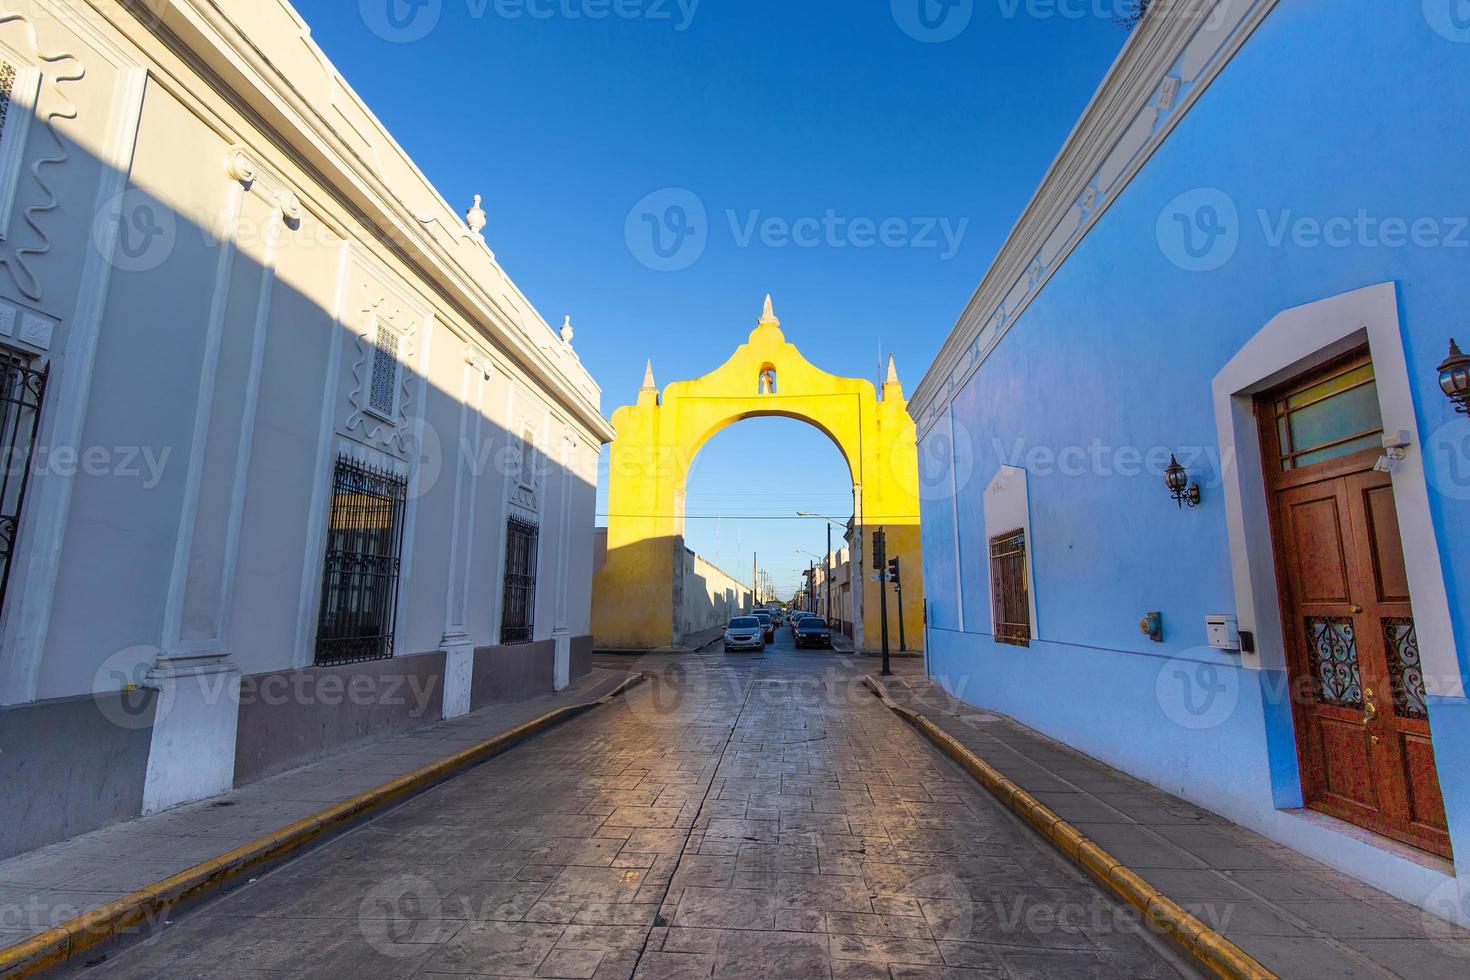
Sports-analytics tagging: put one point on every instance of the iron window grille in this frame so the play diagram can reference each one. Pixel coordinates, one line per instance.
(360, 577)
(1010, 592)
(22, 389)
(518, 620)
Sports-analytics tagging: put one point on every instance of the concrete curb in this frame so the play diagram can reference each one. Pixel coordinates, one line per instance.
(1210, 948)
(58, 946)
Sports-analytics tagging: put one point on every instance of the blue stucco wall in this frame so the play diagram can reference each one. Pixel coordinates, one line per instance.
(1331, 110)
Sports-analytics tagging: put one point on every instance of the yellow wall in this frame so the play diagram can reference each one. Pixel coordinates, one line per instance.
(659, 437)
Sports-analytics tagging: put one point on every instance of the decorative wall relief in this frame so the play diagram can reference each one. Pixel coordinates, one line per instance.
(57, 69)
(386, 330)
(243, 165)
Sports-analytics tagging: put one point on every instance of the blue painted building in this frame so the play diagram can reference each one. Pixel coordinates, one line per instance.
(1249, 259)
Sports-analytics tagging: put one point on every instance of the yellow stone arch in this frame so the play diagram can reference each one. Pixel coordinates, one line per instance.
(659, 437)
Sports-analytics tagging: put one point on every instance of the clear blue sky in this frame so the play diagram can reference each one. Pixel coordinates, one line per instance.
(765, 113)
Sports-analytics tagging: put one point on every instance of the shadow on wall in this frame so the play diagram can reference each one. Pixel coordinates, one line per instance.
(186, 502)
(705, 596)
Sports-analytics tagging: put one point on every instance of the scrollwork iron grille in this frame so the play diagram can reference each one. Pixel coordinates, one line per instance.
(1011, 595)
(22, 389)
(360, 577)
(1405, 669)
(1332, 645)
(518, 619)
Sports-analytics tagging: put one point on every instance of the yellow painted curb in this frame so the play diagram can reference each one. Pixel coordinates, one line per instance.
(1210, 948)
(152, 903)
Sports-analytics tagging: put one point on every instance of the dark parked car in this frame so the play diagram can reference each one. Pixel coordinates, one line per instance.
(812, 631)
(768, 626)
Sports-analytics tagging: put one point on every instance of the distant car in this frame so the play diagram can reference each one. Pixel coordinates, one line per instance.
(777, 617)
(797, 617)
(744, 633)
(812, 631)
(768, 625)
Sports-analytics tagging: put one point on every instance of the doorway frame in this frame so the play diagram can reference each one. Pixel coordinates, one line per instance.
(1293, 343)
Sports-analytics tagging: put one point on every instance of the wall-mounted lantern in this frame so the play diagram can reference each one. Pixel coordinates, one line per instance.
(1454, 378)
(1177, 478)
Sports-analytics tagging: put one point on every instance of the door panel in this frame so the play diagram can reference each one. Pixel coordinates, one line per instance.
(1349, 772)
(1390, 574)
(1317, 547)
(1426, 801)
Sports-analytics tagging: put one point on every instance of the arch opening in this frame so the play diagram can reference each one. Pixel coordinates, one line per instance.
(742, 496)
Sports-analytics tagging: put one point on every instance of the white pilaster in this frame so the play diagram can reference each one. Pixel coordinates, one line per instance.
(192, 753)
(562, 678)
(459, 673)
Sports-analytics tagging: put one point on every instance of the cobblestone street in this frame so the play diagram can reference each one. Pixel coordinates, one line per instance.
(734, 817)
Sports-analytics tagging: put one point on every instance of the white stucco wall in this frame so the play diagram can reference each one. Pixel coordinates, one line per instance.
(709, 596)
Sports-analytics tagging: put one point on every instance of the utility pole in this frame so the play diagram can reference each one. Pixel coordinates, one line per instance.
(893, 575)
(880, 562)
(828, 562)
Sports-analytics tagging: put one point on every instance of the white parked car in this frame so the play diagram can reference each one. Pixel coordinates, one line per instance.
(745, 633)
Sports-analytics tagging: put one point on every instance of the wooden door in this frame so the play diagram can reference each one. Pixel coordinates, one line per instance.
(1358, 688)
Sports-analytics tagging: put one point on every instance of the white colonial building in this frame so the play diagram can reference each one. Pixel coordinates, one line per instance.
(290, 459)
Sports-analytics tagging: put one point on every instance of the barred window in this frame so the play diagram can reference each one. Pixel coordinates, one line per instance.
(360, 577)
(518, 620)
(22, 389)
(1011, 599)
(382, 396)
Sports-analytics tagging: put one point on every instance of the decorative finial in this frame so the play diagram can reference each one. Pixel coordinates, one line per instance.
(892, 371)
(768, 315)
(648, 382)
(475, 217)
(566, 331)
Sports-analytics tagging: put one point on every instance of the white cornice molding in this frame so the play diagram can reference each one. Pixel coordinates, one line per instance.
(258, 66)
(1167, 64)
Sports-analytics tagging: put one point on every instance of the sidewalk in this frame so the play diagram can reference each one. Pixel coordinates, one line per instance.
(1299, 918)
(689, 643)
(47, 887)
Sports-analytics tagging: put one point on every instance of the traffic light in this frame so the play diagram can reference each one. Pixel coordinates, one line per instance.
(880, 550)
(893, 571)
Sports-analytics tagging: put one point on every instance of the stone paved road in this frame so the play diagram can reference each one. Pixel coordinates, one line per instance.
(736, 817)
